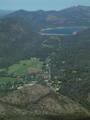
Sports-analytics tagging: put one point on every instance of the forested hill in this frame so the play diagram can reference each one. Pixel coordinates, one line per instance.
(17, 40)
(19, 30)
(71, 65)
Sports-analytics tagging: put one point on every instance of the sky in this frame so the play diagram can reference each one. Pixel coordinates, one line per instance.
(41, 4)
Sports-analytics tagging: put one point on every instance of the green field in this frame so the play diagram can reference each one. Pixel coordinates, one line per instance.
(22, 67)
(16, 74)
(6, 79)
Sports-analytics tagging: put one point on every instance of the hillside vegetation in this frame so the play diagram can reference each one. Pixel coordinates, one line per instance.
(19, 31)
(70, 64)
(41, 101)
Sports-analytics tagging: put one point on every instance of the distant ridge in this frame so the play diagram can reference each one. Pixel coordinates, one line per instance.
(22, 26)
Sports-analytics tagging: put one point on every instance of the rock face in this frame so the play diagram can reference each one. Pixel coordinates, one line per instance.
(40, 100)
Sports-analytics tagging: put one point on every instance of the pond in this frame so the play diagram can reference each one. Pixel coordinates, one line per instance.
(62, 30)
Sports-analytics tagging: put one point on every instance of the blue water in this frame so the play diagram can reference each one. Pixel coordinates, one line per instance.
(62, 30)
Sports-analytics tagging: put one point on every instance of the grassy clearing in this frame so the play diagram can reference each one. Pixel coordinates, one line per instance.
(19, 74)
(22, 67)
(6, 79)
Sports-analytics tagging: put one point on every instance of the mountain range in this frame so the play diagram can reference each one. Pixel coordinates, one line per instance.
(73, 16)
(19, 31)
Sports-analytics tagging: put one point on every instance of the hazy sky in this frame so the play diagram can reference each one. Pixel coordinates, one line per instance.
(40, 4)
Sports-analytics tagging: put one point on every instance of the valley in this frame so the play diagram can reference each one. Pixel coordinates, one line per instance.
(45, 64)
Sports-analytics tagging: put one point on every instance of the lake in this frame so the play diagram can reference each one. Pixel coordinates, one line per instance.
(62, 30)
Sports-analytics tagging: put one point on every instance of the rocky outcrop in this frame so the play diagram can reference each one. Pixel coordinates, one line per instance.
(41, 100)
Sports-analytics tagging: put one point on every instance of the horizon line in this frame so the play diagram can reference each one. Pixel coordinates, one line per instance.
(44, 9)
